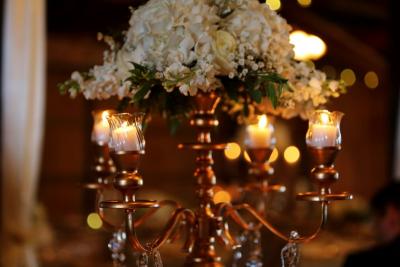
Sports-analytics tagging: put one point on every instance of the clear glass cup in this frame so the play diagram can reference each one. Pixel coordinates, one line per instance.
(260, 134)
(101, 128)
(324, 129)
(126, 132)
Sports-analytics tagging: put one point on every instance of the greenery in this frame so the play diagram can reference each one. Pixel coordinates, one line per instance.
(150, 94)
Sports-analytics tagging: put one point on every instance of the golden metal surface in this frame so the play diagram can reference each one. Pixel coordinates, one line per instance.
(93, 186)
(209, 222)
(138, 204)
(232, 211)
(103, 167)
(200, 146)
(324, 175)
(316, 197)
(205, 234)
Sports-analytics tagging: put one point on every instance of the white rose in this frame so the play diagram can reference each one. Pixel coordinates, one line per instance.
(223, 45)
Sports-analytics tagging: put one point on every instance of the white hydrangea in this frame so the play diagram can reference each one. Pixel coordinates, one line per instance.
(190, 44)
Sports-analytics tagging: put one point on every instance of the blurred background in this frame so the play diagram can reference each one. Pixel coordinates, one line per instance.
(357, 42)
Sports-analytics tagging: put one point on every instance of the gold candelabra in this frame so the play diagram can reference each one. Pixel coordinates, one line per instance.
(209, 222)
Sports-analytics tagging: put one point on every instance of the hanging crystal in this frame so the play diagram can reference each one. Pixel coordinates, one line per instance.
(142, 260)
(157, 261)
(117, 246)
(290, 252)
(254, 258)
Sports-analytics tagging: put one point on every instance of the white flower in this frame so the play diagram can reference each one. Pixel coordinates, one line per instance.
(224, 44)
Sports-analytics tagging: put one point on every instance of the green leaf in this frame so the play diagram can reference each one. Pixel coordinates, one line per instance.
(141, 93)
(64, 87)
(256, 95)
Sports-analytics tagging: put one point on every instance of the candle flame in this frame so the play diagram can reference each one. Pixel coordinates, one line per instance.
(325, 118)
(104, 115)
(262, 121)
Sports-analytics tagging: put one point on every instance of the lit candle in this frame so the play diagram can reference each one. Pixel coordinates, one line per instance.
(125, 138)
(259, 135)
(101, 129)
(324, 133)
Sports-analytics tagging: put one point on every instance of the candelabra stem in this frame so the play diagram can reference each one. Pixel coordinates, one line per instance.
(203, 253)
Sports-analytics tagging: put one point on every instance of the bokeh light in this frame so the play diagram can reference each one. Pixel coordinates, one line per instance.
(348, 76)
(307, 46)
(291, 154)
(222, 196)
(274, 156)
(304, 3)
(94, 221)
(232, 151)
(274, 4)
(371, 80)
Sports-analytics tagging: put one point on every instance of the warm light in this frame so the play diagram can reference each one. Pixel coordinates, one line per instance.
(94, 221)
(246, 157)
(348, 76)
(291, 154)
(232, 151)
(274, 155)
(262, 121)
(104, 115)
(371, 80)
(273, 4)
(307, 46)
(304, 3)
(222, 196)
(324, 118)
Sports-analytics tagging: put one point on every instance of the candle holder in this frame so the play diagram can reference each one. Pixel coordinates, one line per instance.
(260, 142)
(209, 222)
(127, 146)
(102, 170)
(324, 141)
(103, 167)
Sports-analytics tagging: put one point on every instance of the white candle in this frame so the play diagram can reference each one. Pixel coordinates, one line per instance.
(260, 135)
(101, 130)
(323, 135)
(125, 138)
(323, 132)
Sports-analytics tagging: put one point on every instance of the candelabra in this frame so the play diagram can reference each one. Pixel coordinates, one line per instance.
(209, 222)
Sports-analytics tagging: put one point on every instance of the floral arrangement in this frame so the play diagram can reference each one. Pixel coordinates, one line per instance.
(177, 48)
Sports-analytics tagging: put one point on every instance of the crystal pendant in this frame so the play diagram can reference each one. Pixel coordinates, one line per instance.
(290, 253)
(117, 246)
(142, 260)
(157, 261)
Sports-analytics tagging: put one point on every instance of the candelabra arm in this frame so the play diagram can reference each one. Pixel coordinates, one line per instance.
(106, 224)
(164, 203)
(178, 216)
(232, 211)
